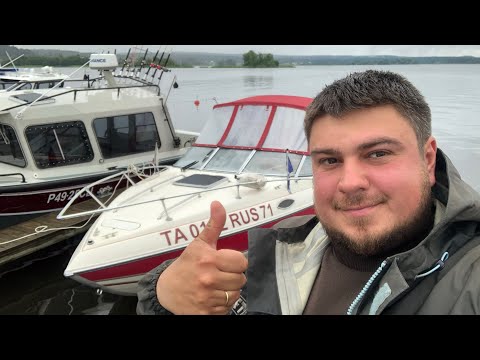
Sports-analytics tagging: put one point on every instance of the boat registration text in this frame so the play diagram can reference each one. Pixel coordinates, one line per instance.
(234, 220)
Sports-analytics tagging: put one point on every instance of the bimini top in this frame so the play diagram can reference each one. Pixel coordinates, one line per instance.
(269, 123)
(297, 102)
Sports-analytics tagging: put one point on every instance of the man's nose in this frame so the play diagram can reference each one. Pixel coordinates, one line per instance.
(353, 177)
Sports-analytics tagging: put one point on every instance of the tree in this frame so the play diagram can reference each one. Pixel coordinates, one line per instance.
(252, 59)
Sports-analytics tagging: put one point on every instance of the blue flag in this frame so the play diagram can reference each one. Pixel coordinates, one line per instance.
(289, 171)
(289, 165)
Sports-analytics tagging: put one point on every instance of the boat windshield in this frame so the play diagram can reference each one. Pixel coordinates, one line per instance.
(10, 150)
(239, 161)
(4, 85)
(272, 163)
(195, 156)
(228, 160)
(306, 169)
(15, 85)
(37, 85)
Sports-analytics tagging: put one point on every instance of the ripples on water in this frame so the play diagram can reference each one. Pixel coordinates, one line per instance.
(35, 285)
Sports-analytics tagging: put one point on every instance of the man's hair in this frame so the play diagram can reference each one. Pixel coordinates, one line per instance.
(368, 89)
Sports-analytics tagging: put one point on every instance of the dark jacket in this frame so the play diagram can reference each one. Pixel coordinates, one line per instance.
(441, 275)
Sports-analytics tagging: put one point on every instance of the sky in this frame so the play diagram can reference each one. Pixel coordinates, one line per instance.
(399, 50)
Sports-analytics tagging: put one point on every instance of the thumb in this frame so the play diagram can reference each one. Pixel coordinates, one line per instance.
(215, 224)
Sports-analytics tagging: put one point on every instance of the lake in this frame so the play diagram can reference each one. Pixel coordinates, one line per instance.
(35, 284)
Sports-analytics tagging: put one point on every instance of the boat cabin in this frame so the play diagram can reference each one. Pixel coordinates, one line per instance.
(55, 141)
(76, 127)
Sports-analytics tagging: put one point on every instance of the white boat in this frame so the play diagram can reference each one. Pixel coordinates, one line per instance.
(251, 155)
(28, 79)
(54, 142)
(34, 78)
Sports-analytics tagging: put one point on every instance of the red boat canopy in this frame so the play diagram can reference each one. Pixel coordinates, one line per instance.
(298, 102)
(269, 122)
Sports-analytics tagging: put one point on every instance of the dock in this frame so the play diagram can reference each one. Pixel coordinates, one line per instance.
(27, 240)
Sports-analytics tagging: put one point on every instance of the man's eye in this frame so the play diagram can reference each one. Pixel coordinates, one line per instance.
(377, 154)
(328, 161)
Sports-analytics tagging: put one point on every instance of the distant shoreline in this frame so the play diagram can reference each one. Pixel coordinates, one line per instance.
(283, 66)
(64, 58)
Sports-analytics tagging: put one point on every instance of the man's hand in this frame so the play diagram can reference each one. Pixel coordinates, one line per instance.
(197, 282)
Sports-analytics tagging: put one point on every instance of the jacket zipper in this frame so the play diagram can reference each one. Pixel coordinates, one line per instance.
(369, 283)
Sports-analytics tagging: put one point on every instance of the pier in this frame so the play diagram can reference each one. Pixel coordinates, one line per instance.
(27, 240)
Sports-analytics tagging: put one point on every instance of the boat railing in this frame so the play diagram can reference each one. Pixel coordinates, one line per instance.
(132, 172)
(171, 207)
(15, 174)
(75, 91)
(17, 85)
(152, 188)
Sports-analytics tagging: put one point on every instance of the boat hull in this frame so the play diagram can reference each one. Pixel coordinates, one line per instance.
(122, 278)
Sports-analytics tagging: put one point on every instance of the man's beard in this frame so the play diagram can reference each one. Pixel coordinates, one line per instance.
(402, 237)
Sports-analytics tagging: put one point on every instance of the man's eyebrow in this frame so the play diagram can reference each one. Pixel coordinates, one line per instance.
(326, 151)
(362, 147)
(380, 141)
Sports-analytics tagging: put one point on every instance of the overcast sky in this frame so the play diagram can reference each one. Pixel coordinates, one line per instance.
(401, 50)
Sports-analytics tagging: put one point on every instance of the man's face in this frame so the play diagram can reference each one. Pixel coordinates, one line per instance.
(372, 186)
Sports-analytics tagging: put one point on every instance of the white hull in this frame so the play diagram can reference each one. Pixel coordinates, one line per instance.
(109, 258)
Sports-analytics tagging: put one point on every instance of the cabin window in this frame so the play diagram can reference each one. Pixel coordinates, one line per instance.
(26, 86)
(59, 144)
(47, 85)
(287, 130)
(248, 127)
(5, 85)
(272, 163)
(10, 150)
(126, 134)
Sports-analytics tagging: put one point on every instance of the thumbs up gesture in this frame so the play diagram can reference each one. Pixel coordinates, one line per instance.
(204, 280)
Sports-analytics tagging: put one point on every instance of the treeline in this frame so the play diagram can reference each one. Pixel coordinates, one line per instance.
(58, 61)
(376, 60)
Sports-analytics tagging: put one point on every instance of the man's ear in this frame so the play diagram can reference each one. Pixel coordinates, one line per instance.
(430, 154)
